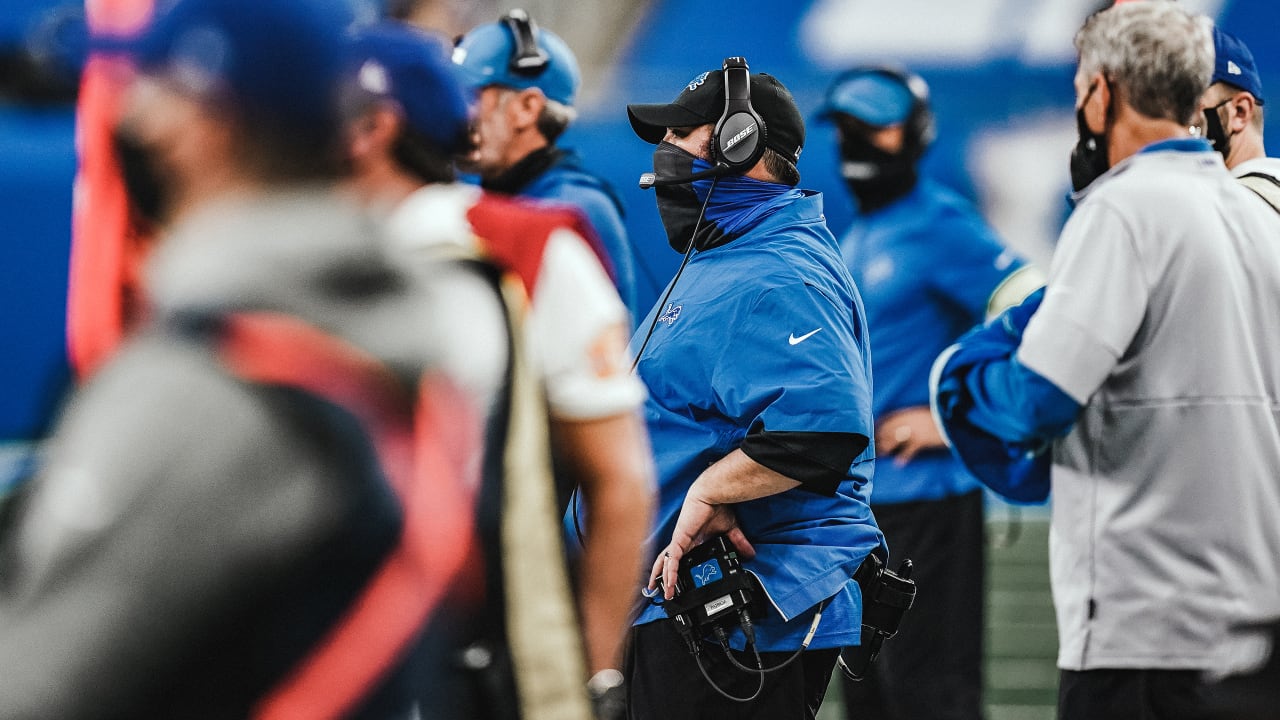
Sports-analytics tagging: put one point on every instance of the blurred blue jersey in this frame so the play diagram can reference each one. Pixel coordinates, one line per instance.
(927, 266)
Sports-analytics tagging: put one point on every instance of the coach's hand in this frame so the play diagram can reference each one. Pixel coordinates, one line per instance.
(708, 511)
(905, 432)
(699, 521)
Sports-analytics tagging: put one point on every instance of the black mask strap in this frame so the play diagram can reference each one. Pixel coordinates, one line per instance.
(1089, 158)
(1215, 132)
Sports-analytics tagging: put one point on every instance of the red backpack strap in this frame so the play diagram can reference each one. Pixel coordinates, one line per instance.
(424, 443)
(107, 245)
(513, 233)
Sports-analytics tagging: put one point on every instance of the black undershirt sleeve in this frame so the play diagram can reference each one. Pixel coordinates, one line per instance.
(819, 461)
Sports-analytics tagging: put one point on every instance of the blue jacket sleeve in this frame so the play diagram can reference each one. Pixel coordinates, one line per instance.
(1000, 417)
(970, 261)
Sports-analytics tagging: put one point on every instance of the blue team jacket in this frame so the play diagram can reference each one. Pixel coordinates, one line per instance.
(769, 329)
(926, 266)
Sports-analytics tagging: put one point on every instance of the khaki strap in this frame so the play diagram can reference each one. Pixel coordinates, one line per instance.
(1266, 187)
(542, 624)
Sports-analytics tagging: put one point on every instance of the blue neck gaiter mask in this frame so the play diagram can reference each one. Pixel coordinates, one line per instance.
(737, 203)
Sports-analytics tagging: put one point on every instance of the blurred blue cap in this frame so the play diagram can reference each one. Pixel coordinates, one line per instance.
(875, 98)
(1233, 64)
(401, 63)
(502, 54)
(281, 61)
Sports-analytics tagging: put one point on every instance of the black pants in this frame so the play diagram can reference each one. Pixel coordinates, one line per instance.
(1132, 695)
(1254, 695)
(664, 682)
(932, 669)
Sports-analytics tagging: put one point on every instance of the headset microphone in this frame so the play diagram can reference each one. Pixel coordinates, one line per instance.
(649, 179)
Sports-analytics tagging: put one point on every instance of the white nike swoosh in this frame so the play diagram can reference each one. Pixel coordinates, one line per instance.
(793, 340)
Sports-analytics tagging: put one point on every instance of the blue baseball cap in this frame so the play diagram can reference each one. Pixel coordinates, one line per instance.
(1233, 64)
(874, 97)
(281, 61)
(411, 67)
(514, 52)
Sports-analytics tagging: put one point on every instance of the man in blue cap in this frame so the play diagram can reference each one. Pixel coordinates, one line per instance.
(408, 119)
(252, 509)
(1233, 117)
(525, 79)
(1232, 111)
(929, 268)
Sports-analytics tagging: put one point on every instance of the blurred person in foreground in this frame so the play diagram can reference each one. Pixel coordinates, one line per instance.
(525, 79)
(1142, 383)
(1232, 117)
(929, 268)
(408, 119)
(257, 504)
(759, 408)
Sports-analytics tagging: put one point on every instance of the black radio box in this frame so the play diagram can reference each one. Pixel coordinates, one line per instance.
(711, 586)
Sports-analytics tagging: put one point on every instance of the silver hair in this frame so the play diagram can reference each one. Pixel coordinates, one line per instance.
(1157, 55)
(555, 119)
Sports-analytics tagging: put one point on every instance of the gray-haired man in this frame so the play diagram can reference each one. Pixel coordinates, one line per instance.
(1147, 382)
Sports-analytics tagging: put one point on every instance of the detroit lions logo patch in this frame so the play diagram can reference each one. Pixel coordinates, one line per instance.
(694, 83)
(670, 315)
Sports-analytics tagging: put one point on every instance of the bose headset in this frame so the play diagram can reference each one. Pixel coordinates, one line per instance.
(527, 56)
(739, 136)
(738, 139)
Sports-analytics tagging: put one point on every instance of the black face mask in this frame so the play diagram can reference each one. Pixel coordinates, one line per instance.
(144, 185)
(874, 176)
(1089, 157)
(678, 204)
(1214, 132)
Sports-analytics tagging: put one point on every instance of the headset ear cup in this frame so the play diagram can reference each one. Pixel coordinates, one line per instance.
(920, 121)
(739, 140)
(921, 127)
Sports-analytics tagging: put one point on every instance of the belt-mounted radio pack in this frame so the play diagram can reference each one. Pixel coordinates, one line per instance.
(886, 597)
(715, 595)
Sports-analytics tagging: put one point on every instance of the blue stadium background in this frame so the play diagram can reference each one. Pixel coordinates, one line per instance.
(1000, 72)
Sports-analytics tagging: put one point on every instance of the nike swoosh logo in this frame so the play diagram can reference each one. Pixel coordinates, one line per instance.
(793, 340)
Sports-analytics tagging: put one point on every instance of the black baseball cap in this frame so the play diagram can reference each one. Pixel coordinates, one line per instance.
(701, 102)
